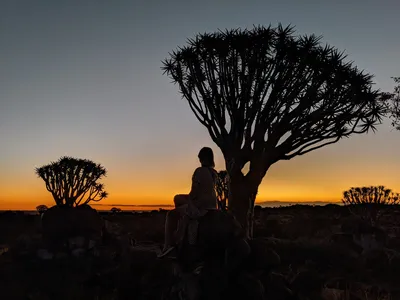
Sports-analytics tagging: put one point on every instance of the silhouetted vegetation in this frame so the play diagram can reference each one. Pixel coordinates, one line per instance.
(266, 95)
(298, 252)
(115, 210)
(370, 195)
(41, 209)
(367, 202)
(73, 182)
(222, 189)
(394, 104)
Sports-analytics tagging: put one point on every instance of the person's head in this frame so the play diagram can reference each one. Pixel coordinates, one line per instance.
(206, 157)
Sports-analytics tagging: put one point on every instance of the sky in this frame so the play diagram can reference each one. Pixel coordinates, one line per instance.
(83, 78)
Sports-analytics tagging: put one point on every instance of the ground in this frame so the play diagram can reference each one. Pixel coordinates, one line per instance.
(310, 253)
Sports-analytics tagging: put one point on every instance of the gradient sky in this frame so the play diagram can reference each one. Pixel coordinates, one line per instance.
(82, 78)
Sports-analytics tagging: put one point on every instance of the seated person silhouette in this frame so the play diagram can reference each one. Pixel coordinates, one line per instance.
(189, 208)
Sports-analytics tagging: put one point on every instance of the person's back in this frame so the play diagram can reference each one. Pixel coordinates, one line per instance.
(203, 194)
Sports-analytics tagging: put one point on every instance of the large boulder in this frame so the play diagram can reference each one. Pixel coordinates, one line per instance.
(77, 227)
(262, 257)
(219, 234)
(215, 263)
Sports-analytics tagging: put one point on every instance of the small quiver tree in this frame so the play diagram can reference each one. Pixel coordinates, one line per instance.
(115, 210)
(41, 209)
(221, 189)
(73, 182)
(368, 202)
(266, 95)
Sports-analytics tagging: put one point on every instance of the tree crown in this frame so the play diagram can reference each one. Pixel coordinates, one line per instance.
(73, 181)
(370, 195)
(268, 95)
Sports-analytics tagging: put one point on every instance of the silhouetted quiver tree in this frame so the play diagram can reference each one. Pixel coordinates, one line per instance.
(115, 210)
(370, 195)
(267, 95)
(73, 182)
(368, 202)
(222, 189)
(394, 104)
(41, 209)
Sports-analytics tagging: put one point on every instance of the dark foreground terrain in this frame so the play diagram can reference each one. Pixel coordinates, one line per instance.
(302, 252)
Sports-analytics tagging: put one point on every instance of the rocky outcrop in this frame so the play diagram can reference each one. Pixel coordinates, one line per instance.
(67, 226)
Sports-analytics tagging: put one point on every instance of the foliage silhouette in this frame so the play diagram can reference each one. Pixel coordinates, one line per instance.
(394, 104)
(222, 189)
(73, 181)
(367, 202)
(370, 195)
(266, 95)
(115, 210)
(41, 208)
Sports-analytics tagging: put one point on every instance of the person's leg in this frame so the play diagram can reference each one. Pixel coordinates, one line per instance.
(181, 199)
(172, 219)
(171, 225)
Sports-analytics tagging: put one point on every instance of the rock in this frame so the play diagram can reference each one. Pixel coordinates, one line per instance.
(76, 242)
(248, 287)
(376, 259)
(276, 287)
(61, 255)
(25, 246)
(266, 228)
(23, 242)
(257, 212)
(59, 224)
(3, 249)
(370, 238)
(44, 254)
(346, 240)
(78, 252)
(307, 281)
(394, 262)
(220, 238)
(339, 283)
(332, 294)
(91, 244)
(262, 256)
(351, 224)
(159, 277)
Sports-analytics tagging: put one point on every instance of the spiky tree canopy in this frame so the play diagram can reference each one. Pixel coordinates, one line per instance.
(265, 93)
(394, 104)
(369, 195)
(73, 181)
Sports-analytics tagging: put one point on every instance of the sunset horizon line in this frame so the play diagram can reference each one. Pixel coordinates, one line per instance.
(7, 206)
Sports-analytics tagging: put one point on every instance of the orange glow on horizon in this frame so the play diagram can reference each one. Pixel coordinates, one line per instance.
(272, 189)
(307, 178)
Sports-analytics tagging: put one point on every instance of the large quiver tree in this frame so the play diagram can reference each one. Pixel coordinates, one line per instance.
(267, 95)
(73, 182)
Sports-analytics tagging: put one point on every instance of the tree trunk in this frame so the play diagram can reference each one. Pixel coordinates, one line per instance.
(242, 195)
